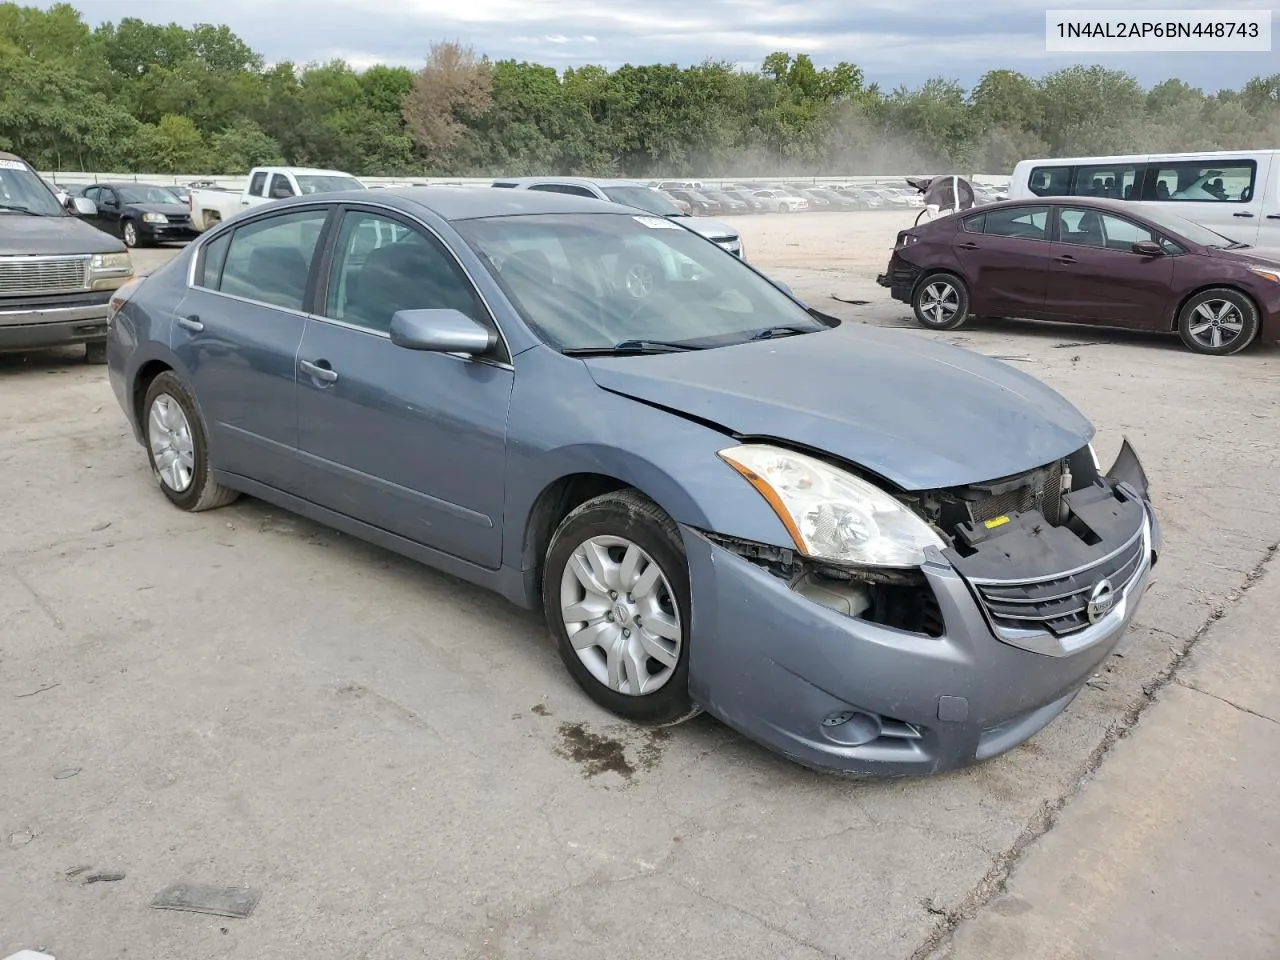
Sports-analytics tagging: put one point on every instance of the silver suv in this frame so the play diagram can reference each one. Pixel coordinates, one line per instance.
(631, 194)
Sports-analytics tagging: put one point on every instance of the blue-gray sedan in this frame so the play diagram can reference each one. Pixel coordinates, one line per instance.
(868, 551)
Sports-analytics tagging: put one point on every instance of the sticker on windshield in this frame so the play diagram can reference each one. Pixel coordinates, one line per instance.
(12, 165)
(657, 223)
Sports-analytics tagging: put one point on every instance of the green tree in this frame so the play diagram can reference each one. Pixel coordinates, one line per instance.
(243, 146)
(173, 145)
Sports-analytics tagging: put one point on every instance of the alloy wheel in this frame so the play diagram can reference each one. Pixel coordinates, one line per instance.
(939, 301)
(1216, 323)
(172, 448)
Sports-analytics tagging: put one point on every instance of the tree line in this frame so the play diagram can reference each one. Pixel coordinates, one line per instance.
(155, 98)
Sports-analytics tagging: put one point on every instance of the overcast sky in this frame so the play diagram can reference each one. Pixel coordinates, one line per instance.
(893, 41)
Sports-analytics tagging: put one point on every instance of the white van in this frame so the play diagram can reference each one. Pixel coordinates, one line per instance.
(1236, 193)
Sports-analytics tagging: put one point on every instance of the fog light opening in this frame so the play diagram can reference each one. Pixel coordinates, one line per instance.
(852, 728)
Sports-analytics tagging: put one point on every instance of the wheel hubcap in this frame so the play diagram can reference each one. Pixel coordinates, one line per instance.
(172, 449)
(1216, 323)
(620, 614)
(939, 302)
(130, 234)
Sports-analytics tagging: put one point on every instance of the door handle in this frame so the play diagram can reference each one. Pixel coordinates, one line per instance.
(968, 246)
(1249, 215)
(1066, 259)
(1273, 216)
(191, 323)
(325, 373)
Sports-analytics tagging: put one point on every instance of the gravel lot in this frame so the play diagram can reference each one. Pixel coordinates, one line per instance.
(399, 764)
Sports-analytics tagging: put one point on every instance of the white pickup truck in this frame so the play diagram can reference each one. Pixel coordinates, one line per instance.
(212, 205)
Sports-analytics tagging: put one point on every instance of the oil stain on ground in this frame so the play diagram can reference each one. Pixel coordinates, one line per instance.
(597, 753)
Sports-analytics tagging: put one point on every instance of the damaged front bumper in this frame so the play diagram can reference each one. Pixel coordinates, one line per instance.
(833, 689)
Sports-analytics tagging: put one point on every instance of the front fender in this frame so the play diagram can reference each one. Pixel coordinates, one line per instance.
(581, 428)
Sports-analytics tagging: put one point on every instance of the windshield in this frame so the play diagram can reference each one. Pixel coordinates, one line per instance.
(146, 195)
(594, 281)
(1185, 228)
(21, 191)
(645, 199)
(318, 183)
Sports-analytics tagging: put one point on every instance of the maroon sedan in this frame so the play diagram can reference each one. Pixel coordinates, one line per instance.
(1099, 262)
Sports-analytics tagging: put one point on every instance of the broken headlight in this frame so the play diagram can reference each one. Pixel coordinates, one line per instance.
(831, 514)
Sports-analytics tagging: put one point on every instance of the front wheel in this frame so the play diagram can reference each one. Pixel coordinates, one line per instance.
(941, 302)
(95, 352)
(615, 589)
(1218, 322)
(130, 234)
(178, 447)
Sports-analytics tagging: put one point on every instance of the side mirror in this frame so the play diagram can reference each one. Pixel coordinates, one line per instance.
(1148, 248)
(83, 206)
(440, 331)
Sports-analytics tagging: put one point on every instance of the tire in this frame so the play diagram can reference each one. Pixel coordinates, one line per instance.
(1218, 322)
(95, 352)
(130, 235)
(941, 302)
(632, 683)
(200, 492)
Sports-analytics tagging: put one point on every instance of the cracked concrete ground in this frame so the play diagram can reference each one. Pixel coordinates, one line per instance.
(400, 766)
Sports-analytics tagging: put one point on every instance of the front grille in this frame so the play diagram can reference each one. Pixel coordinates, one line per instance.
(19, 275)
(1059, 604)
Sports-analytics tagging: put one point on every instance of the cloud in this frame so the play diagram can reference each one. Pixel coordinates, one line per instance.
(893, 41)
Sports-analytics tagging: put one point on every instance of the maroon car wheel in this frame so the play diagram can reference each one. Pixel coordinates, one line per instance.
(941, 302)
(1218, 322)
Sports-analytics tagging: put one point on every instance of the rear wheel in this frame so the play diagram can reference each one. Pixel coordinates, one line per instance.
(178, 447)
(615, 589)
(941, 302)
(1218, 322)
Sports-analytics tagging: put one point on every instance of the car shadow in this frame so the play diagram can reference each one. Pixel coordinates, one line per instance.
(54, 360)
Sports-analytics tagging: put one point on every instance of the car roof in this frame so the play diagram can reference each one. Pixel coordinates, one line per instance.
(469, 203)
(1100, 203)
(127, 183)
(580, 181)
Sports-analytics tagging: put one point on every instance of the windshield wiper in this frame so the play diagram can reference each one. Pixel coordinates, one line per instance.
(631, 346)
(16, 209)
(774, 332)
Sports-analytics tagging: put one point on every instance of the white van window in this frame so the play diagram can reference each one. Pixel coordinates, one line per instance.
(1113, 181)
(1230, 181)
(1050, 181)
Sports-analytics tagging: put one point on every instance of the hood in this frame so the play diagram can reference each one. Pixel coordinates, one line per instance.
(711, 229)
(919, 413)
(1268, 256)
(52, 236)
(168, 209)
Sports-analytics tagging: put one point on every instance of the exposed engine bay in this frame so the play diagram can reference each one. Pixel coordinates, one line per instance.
(1030, 545)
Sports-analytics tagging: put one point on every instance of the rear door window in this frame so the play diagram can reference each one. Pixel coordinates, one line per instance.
(269, 260)
(1026, 223)
(258, 185)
